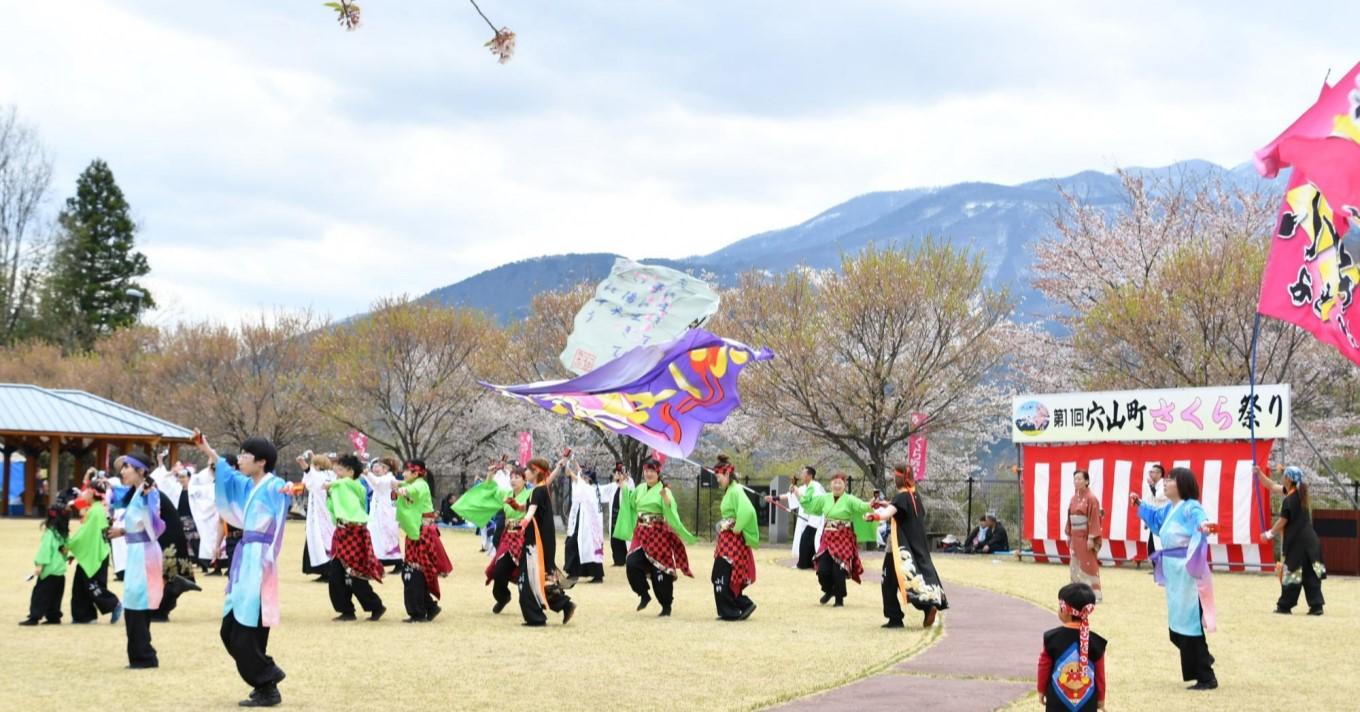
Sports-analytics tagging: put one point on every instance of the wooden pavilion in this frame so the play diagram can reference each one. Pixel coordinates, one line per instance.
(42, 423)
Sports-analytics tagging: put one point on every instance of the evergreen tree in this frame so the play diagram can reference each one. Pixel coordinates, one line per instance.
(92, 290)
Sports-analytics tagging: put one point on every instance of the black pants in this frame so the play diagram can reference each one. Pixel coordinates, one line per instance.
(892, 602)
(307, 567)
(729, 607)
(1196, 662)
(807, 547)
(1152, 547)
(46, 599)
(173, 590)
(640, 570)
(420, 605)
(618, 548)
(1311, 588)
(247, 645)
(573, 566)
(342, 586)
(528, 603)
(139, 650)
(831, 576)
(500, 579)
(90, 596)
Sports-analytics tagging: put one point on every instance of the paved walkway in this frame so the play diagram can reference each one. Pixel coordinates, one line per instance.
(985, 660)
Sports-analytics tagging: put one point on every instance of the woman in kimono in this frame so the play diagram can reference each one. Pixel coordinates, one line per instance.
(143, 581)
(353, 563)
(480, 505)
(649, 519)
(845, 529)
(382, 515)
(1084, 531)
(90, 594)
(540, 581)
(204, 511)
(734, 564)
(255, 500)
(320, 528)
(908, 573)
(609, 496)
(1182, 566)
(425, 558)
(584, 555)
(1303, 569)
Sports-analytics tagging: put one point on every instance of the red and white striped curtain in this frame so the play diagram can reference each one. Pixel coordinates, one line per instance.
(1227, 485)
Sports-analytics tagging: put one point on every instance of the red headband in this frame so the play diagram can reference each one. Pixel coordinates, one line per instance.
(1084, 616)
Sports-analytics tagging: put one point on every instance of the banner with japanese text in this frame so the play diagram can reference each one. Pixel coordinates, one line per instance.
(1174, 414)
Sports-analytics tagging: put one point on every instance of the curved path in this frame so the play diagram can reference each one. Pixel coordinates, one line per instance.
(986, 659)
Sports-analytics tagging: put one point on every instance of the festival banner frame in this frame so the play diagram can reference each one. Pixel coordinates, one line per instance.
(1171, 414)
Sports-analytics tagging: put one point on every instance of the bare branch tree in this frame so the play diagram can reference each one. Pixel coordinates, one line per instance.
(25, 177)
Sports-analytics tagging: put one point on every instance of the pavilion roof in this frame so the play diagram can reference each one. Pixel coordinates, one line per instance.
(27, 409)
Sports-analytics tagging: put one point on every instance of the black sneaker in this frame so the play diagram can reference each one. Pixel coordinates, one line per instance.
(267, 696)
(434, 611)
(1201, 686)
(646, 599)
(345, 617)
(747, 613)
(35, 622)
(894, 624)
(568, 612)
(377, 613)
(665, 612)
(825, 597)
(1282, 611)
(500, 606)
(840, 603)
(1315, 611)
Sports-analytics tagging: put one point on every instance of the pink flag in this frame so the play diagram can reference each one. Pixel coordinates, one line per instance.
(526, 448)
(660, 457)
(916, 446)
(1310, 276)
(360, 443)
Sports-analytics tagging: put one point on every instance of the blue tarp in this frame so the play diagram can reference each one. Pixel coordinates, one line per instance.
(16, 487)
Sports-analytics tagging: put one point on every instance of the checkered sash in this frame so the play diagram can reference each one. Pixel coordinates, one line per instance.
(512, 543)
(662, 547)
(353, 546)
(732, 547)
(427, 555)
(839, 543)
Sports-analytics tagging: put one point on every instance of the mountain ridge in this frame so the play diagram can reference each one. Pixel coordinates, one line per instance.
(1000, 221)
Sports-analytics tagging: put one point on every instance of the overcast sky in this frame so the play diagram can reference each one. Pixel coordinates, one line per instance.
(274, 160)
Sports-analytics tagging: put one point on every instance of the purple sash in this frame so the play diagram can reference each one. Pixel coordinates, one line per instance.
(264, 537)
(1197, 564)
(137, 537)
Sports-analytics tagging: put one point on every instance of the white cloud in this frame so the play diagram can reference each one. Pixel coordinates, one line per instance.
(278, 161)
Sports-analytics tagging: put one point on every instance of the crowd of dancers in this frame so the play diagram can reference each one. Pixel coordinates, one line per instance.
(157, 527)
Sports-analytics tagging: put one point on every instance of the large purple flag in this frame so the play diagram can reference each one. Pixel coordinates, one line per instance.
(661, 395)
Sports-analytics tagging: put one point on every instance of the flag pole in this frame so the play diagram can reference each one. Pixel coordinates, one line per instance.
(1251, 419)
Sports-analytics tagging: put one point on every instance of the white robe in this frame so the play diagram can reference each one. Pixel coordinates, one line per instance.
(382, 517)
(584, 520)
(607, 499)
(320, 528)
(118, 546)
(807, 520)
(167, 483)
(203, 505)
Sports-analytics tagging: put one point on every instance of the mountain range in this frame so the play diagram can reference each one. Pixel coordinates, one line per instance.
(1000, 221)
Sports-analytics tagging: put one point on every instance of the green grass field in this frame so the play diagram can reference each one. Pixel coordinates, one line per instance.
(611, 656)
